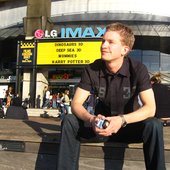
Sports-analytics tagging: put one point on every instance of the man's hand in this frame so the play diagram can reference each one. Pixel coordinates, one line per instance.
(115, 123)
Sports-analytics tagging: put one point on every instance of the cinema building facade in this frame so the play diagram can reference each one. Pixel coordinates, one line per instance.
(55, 53)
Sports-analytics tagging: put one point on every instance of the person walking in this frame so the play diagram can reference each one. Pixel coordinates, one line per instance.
(66, 101)
(46, 98)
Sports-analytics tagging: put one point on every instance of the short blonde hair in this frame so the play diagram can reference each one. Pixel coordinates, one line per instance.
(125, 32)
(156, 78)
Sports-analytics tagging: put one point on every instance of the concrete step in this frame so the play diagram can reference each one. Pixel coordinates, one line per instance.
(32, 161)
(108, 164)
(99, 156)
(38, 112)
(34, 144)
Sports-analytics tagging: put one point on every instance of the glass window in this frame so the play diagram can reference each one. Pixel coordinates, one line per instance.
(165, 62)
(151, 59)
(136, 54)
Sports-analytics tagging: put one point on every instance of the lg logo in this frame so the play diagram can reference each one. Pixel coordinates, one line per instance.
(46, 34)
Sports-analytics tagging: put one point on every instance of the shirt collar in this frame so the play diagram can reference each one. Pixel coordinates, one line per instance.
(124, 70)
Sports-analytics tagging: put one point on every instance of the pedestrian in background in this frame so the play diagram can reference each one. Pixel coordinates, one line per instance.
(9, 96)
(62, 106)
(66, 101)
(46, 98)
(162, 98)
(38, 101)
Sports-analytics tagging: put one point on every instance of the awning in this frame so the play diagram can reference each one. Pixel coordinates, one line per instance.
(161, 30)
(11, 32)
(139, 29)
(142, 24)
(149, 36)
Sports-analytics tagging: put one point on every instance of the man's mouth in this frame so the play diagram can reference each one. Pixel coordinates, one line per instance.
(104, 52)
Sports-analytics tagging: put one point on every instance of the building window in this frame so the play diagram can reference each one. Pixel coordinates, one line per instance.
(136, 54)
(165, 62)
(151, 59)
(148, 57)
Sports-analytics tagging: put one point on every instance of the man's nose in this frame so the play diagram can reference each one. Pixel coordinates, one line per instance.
(104, 44)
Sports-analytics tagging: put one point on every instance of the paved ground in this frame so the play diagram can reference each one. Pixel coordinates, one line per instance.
(33, 145)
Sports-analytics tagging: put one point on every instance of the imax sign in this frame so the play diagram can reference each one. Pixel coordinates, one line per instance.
(82, 33)
(68, 32)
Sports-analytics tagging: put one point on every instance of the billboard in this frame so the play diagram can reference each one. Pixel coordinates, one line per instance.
(68, 52)
(26, 52)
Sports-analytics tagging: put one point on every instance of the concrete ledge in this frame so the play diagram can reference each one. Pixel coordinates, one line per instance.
(37, 141)
(38, 112)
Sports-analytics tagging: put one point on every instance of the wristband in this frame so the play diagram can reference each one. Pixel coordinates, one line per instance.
(91, 119)
(124, 123)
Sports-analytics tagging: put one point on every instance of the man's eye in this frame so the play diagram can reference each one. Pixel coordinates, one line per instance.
(111, 42)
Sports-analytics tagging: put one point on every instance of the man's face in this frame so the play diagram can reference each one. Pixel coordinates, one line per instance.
(112, 48)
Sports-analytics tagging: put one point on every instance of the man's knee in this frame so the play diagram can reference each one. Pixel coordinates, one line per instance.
(69, 121)
(153, 124)
(69, 118)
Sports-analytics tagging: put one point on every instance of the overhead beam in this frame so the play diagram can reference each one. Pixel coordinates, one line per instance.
(38, 16)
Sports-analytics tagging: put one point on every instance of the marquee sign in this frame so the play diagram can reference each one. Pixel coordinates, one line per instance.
(68, 52)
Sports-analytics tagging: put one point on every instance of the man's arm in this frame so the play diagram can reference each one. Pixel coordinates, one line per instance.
(144, 112)
(77, 107)
(147, 110)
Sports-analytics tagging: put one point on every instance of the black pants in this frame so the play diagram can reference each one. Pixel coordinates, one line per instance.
(150, 132)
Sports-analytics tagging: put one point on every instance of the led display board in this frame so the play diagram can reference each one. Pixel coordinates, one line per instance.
(68, 52)
(26, 52)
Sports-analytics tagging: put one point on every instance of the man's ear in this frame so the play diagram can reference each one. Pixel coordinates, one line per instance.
(126, 50)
